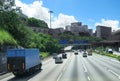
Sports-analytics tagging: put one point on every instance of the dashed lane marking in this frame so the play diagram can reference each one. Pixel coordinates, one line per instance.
(59, 77)
(88, 78)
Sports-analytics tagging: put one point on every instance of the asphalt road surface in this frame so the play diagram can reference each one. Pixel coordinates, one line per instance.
(74, 68)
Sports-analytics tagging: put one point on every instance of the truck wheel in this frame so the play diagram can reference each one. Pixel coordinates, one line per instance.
(40, 66)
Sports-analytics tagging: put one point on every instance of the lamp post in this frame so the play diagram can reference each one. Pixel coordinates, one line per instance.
(50, 17)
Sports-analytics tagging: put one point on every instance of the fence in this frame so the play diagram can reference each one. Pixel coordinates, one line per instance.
(3, 63)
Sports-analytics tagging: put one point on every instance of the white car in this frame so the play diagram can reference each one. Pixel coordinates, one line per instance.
(85, 54)
(110, 51)
(58, 60)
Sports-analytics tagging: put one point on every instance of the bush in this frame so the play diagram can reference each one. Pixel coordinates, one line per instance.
(118, 58)
(112, 55)
(44, 54)
(101, 51)
(18, 33)
(6, 38)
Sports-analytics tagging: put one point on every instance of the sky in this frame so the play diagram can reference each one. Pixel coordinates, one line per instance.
(89, 12)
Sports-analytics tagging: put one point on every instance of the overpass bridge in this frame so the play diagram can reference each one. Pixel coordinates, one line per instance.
(78, 44)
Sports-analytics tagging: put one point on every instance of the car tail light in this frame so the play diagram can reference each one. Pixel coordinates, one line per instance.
(23, 65)
(8, 67)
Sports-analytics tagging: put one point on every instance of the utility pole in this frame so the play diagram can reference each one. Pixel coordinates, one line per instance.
(50, 17)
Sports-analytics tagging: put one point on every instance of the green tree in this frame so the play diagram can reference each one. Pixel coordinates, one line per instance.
(6, 38)
(24, 36)
(84, 34)
(37, 23)
(7, 5)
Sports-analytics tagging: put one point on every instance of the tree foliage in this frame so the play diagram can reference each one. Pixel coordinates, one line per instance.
(83, 36)
(6, 38)
(37, 23)
(7, 5)
(20, 34)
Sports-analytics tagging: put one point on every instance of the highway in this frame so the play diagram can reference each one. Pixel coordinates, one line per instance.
(74, 68)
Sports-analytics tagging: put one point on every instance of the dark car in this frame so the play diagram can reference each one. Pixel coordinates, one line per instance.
(76, 53)
(64, 55)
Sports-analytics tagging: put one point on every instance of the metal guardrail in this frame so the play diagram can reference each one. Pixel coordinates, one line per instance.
(3, 68)
(3, 63)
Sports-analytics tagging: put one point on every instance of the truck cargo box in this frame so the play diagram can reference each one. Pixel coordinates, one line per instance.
(24, 59)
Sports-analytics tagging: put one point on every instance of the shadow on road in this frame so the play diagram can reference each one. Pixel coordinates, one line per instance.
(25, 77)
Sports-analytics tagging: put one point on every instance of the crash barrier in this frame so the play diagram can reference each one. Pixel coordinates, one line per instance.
(3, 63)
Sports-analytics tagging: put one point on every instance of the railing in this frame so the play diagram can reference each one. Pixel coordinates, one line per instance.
(3, 63)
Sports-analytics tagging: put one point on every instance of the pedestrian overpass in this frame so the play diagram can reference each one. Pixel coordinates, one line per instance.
(80, 44)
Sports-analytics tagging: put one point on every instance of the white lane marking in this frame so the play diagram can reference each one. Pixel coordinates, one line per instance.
(85, 69)
(65, 67)
(59, 77)
(8, 78)
(114, 60)
(88, 78)
(114, 73)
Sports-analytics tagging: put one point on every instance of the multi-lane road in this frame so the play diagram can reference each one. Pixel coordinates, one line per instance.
(74, 68)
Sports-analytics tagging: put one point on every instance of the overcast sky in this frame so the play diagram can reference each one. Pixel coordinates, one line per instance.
(89, 12)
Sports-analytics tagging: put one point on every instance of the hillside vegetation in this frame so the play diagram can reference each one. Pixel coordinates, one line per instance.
(6, 38)
(14, 30)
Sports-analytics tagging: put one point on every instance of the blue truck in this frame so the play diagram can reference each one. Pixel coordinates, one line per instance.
(21, 61)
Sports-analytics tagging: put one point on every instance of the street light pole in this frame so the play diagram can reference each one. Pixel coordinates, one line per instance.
(50, 17)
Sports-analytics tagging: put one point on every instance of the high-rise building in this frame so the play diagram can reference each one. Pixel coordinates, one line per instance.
(68, 28)
(75, 30)
(103, 32)
(90, 31)
(116, 35)
(83, 28)
(76, 24)
(75, 27)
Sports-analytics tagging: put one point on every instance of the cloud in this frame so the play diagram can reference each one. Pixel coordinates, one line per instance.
(34, 9)
(37, 10)
(114, 24)
(63, 20)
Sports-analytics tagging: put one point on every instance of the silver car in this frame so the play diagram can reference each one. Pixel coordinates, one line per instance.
(84, 54)
(58, 60)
